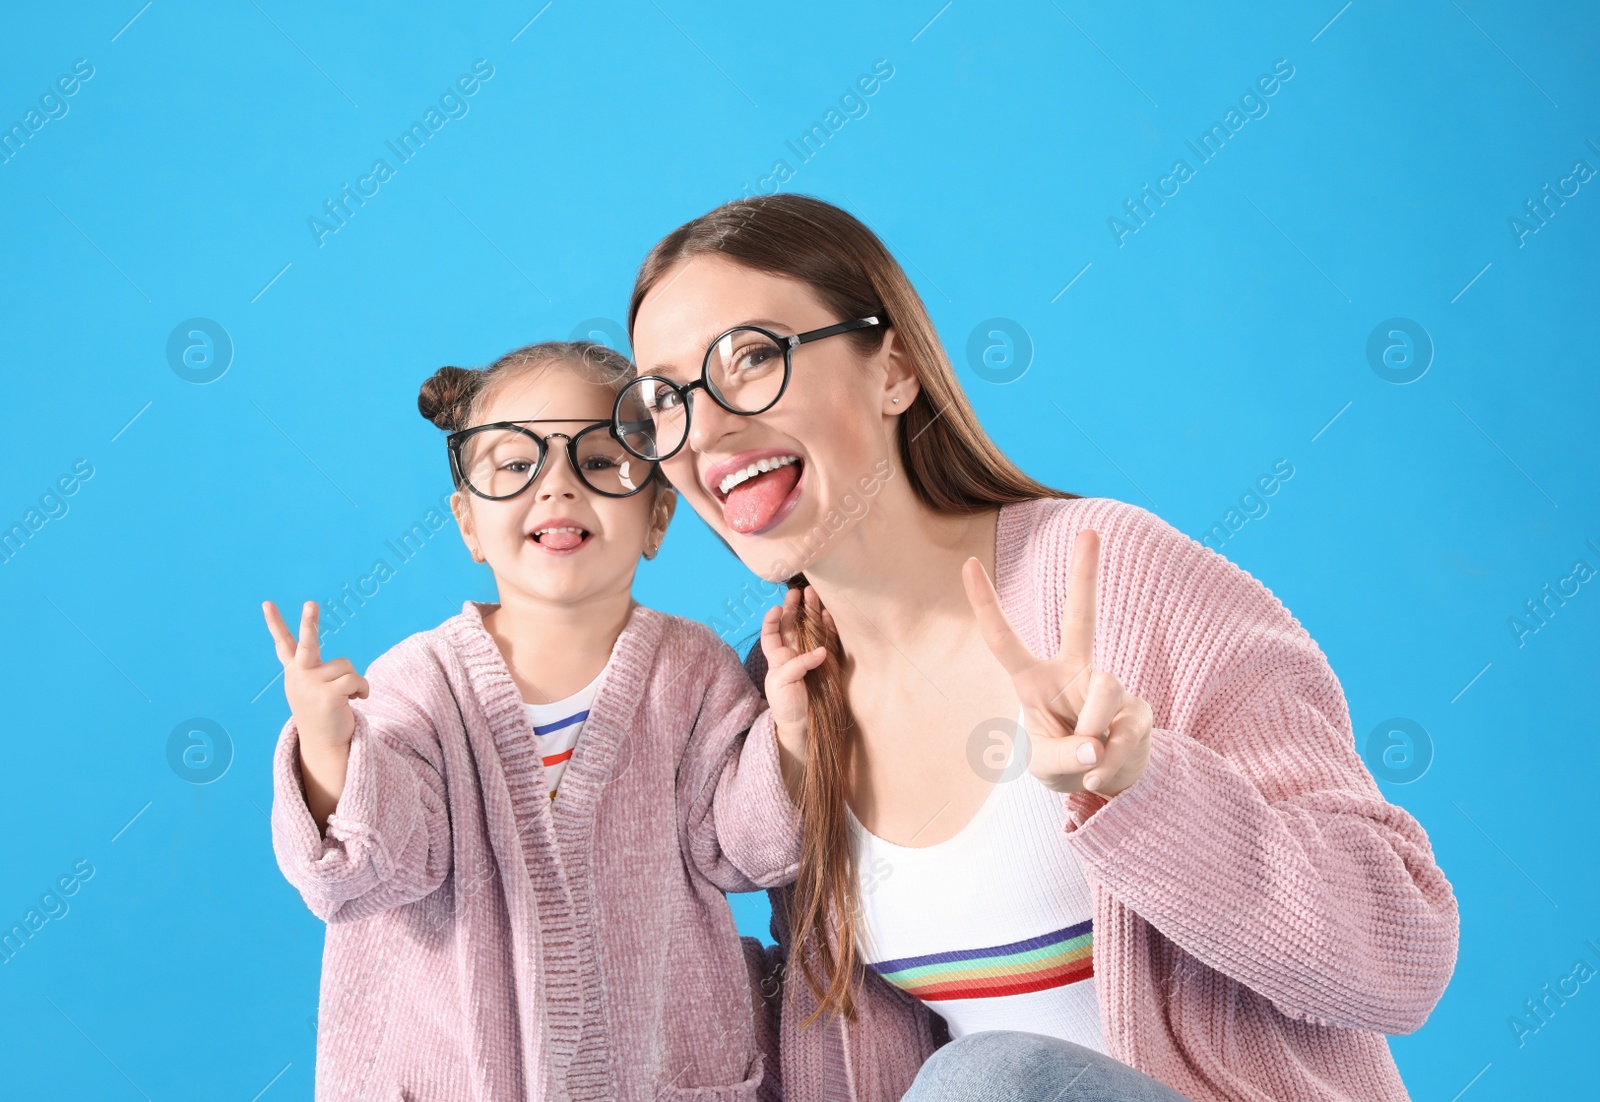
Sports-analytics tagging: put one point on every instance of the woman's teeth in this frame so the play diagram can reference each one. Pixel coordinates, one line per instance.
(760, 466)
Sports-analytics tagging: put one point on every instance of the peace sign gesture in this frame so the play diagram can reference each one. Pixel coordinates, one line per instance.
(1085, 731)
(319, 692)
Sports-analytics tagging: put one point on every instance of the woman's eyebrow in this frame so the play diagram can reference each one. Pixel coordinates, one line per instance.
(783, 328)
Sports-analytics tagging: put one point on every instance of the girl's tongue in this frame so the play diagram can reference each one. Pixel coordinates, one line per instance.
(751, 505)
(561, 541)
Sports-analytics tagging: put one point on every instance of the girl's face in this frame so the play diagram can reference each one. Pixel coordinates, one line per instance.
(515, 535)
(834, 424)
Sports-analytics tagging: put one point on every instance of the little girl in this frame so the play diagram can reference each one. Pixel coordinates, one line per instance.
(519, 825)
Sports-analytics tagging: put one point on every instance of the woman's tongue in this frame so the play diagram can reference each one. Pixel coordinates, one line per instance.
(751, 505)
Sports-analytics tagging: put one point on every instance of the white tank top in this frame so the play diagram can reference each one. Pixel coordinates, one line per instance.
(991, 929)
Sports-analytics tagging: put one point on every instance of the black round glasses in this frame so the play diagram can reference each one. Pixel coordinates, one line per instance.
(500, 460)
(746, 370)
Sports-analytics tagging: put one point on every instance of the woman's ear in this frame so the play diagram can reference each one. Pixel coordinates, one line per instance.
(661, 510)
(900, 379)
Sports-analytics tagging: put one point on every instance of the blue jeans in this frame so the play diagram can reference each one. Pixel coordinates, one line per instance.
(1010, 1066)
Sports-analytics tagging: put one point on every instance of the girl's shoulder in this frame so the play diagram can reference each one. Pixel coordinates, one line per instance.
(686, 642)
(679, 667)
(427, 654)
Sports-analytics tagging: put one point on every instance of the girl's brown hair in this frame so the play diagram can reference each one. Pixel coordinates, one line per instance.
(452, 397)
(952, 465)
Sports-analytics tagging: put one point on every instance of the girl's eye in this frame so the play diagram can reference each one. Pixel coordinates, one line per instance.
(599, 463)
(516, 466)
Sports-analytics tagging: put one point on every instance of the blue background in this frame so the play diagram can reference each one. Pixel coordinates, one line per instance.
(1172, 369)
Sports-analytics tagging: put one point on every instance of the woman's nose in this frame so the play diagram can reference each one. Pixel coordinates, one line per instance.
(709, 422)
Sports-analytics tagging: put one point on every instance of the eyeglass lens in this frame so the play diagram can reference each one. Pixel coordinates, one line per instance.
(744, 370)
(500, 463)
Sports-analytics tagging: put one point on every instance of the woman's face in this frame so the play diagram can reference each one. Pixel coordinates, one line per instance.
(517, 536)
(832, 432)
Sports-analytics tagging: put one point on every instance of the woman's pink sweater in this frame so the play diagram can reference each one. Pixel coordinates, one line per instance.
(487, 943)
(1262, 915)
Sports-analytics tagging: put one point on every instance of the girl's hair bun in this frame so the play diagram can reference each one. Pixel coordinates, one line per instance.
(446, 396)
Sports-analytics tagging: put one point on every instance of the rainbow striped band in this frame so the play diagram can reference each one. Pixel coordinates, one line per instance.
(1035, 964)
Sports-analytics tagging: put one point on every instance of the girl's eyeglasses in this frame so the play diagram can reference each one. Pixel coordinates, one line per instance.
(498, 461)
(746, 371)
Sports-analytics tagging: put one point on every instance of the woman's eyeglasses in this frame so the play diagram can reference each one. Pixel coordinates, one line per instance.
(500, 460)
(746, 371)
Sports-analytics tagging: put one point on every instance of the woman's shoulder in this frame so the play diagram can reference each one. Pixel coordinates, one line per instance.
(1043, 525)
(1149, 568)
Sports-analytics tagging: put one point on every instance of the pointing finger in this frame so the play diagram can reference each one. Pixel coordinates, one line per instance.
(282, 638)
(309, 650)
(1078, 609)
(996, 630)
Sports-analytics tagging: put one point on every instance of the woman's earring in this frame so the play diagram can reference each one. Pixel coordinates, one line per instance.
(897, 401)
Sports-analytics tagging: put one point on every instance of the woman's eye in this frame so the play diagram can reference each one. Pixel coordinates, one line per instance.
(755, 356)
(667, 401)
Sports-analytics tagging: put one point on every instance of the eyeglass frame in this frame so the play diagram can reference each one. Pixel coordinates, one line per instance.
(454, 441)
(787, 343)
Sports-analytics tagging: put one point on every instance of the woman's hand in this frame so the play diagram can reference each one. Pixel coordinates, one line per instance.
(786, 676)
(1068, 708)
(319, 697)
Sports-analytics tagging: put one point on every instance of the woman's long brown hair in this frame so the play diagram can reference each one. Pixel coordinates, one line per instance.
(953, 466)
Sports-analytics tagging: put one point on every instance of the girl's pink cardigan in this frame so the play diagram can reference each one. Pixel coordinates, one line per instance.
(486, 943)
(1262, 915)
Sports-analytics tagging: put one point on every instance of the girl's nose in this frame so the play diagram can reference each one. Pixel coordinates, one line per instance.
(558, 479)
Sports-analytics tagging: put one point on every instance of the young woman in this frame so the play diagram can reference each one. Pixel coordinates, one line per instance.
(1181, 883)
(519, 825)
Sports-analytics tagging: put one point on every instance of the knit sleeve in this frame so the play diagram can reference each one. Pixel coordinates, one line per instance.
(1256, 840)
(739, 827)
(388, 839)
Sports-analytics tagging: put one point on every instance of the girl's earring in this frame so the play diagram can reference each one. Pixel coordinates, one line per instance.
(477, 556)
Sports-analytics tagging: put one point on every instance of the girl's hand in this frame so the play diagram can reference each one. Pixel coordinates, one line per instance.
(1067, 708)
(319, 692)
(319, 696)
(786, 672)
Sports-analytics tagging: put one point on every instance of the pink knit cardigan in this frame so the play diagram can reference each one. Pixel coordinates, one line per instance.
(486, 943)
(1262, 915)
